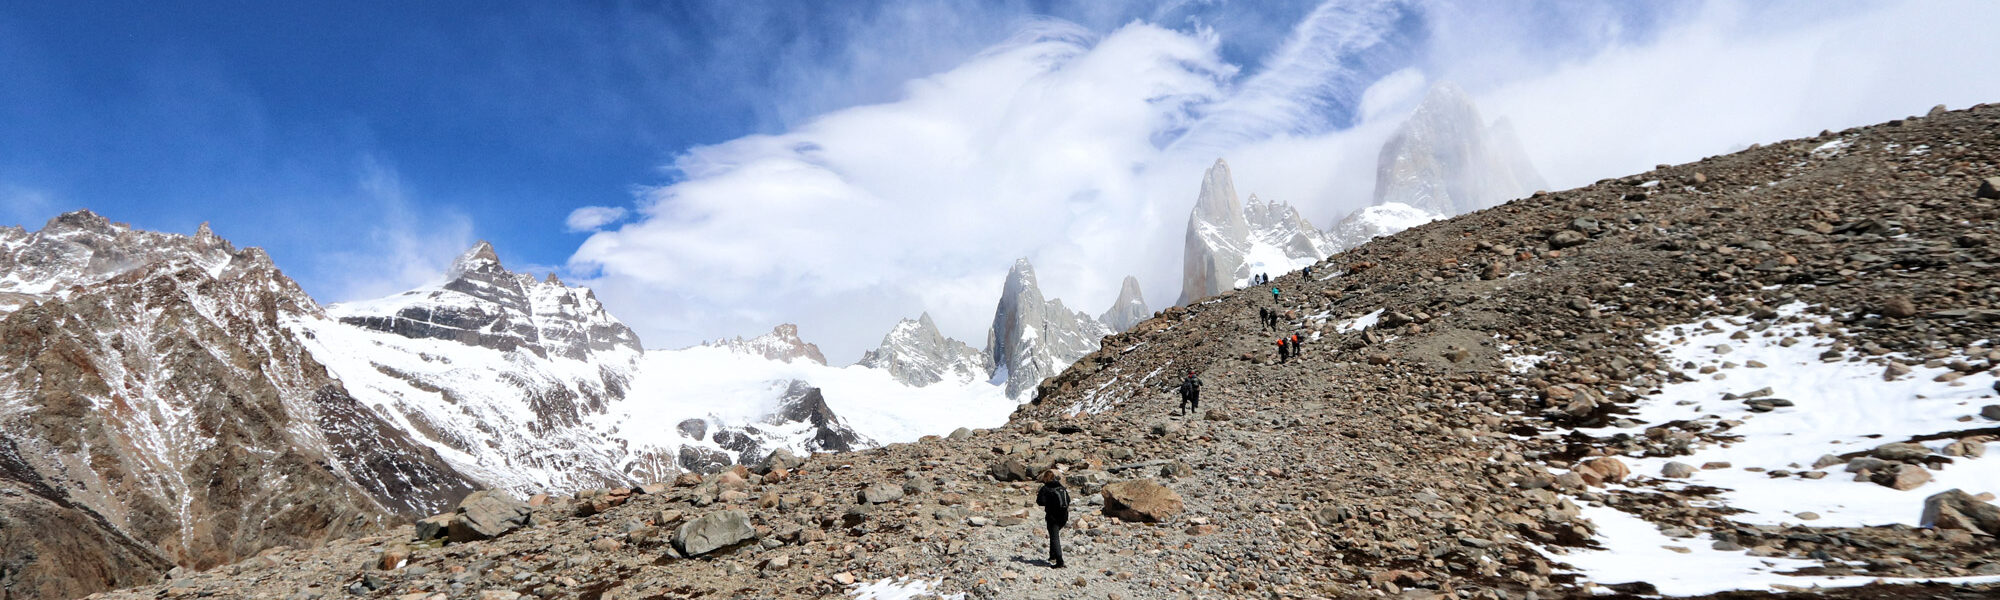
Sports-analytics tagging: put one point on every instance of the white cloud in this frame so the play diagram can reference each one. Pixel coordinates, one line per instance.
(1084, 152)
(408, 248)
(593, 218)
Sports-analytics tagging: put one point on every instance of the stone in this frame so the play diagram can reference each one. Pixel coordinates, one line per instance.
(1989, 188)
(1894, 371)
(1009, 469)
(499, 595)
(880, 493)
(778, 460)
(1965, 449)
(1677, 470)
(960, 434)
(1903, 477)
(711, 532)
(393, 557)
(1567, 238)
(1141, 500)
(1607, 468)
(1217, 414)
(1991, 411)
(1901, 452)
(433, 527)
(1827, 460)
(487, 514)
(1955, 509)
(1867, 463)
(1899, 307)
(1763, 405)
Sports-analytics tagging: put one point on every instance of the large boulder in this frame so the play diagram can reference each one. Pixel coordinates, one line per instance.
(1955, 509)
(487, 514)
(1141, 500)
(1901, 452)
(1010, 469)
(1903, 477)
(711, 532)
(433, 527)
(780, 459)
(880, 493)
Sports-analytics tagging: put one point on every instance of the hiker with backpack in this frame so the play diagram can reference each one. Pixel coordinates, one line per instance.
(1283, 352)
(1190, 393)
(1054, 499)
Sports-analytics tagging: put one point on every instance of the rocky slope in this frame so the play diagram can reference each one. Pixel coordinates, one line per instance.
(917, 354)
(156, 409)
(1229, 241)
(1464, 422)
(1033, 338)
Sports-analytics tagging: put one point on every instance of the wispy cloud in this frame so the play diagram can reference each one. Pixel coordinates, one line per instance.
(24, 206)
(406, 246)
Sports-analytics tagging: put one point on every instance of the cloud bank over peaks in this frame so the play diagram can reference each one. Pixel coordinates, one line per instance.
(1041, 147)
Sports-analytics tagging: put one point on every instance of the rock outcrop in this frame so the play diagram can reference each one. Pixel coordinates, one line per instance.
(917, 354)
(1032, 338)
(1129, 309)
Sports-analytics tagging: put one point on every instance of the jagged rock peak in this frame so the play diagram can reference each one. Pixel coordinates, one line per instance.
(917, 354)
(1129, 309)
(1227, 243)
(483, 304)
(81, 248)
(781, 344)
(479, 258)
(1446, 160)
(1033, 338)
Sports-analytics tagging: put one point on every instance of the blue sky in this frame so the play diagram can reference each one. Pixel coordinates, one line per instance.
(715, 168)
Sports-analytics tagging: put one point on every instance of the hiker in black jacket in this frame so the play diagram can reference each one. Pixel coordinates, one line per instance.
(1054, 498)
(1190, 393)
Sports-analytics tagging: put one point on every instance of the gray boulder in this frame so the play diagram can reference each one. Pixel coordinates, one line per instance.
(711, 532)
(1955, 509)
(487, 514)
(880, 493)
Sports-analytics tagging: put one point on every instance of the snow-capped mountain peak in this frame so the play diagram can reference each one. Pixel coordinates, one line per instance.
(917, 354)
(782, 344)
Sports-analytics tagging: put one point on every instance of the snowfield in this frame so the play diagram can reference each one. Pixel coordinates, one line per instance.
(1840, 406)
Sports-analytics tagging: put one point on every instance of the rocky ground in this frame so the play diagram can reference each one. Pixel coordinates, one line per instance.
(1407, 453)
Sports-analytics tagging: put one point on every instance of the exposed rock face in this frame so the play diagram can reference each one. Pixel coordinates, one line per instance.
(498, 370)
(1228, 242)
(781, 344)
(171, 407)
(803, 404)
(1445, 160)
(1217, 237)
(917, 354)
(1033, 338)
(1129, 309)
(82, 247)
(485, 305)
